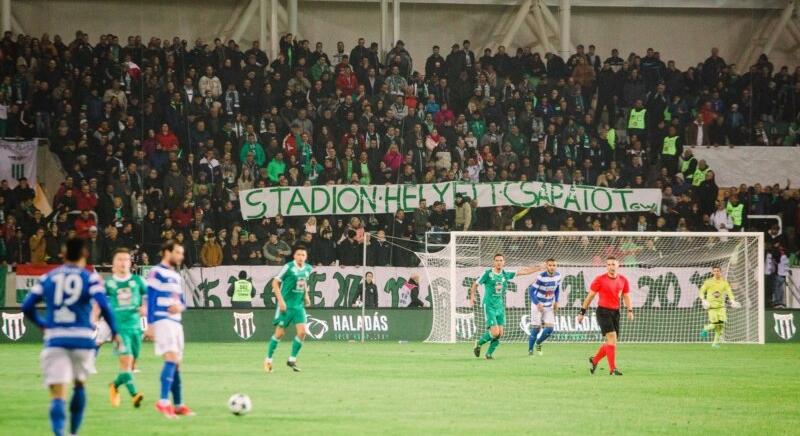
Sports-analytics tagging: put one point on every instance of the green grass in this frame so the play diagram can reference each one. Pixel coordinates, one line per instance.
(389, 388)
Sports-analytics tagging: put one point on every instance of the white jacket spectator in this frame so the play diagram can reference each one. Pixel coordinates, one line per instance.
(720, 219)
(210, 83)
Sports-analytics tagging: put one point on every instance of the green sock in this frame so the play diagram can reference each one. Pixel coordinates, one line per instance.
(485, 338)
(130, 385)
(273, 344)
(297, 344)
(122, 378)
(492, 346)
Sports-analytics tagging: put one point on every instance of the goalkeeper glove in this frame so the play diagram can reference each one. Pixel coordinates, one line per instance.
(735, 304)
(705, 305)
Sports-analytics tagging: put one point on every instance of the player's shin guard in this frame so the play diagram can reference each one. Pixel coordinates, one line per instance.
(545, 334)
(718, 330)
(76, 406)
(129, 384)
(125, 378)
(273, 344)
(167, 376)
(297, 344)
(601, 353)
(57, 416)
(493, 346)
(532, 338)
(611, 353)
(485, 338)
(177, 397)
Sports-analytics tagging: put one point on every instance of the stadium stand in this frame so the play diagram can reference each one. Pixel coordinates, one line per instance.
(157, 138)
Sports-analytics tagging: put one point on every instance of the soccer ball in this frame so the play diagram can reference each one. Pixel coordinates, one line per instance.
(240, 404)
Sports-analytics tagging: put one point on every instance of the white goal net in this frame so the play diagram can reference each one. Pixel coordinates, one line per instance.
(665, 271)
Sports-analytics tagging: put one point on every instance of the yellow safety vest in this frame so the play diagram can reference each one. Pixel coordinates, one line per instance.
(636, 119)
(670, 147)
(242, 290)
(698, 176)
(611, 137)
(735, 212)
(686, 163)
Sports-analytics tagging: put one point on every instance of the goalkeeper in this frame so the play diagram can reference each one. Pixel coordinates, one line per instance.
(713, 294)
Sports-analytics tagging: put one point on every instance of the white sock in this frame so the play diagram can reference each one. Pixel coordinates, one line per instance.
(292, 359)
(268, 359)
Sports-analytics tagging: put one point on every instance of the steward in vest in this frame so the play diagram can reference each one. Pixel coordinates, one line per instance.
(242, 292)
(671, 148)
(736, 212)
(688, 164)
(637, 121)
(700, 173)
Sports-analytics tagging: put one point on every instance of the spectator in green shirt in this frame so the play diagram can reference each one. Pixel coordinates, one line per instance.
(252, 145)
(276, 168)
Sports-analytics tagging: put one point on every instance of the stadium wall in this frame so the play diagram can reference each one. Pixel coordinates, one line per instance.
(230, 325)
(683, 34)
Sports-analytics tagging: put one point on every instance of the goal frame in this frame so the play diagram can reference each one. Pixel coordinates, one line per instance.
(760, 267)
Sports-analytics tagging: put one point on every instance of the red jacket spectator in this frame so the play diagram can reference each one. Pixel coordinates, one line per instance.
(443, 115)
(347, 82)
(166, 139)
(289, 146)
(85, 200)
(182, 216)
(393, 158)
(83, 223)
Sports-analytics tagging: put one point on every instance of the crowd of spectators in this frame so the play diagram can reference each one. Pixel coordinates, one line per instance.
(158, 138)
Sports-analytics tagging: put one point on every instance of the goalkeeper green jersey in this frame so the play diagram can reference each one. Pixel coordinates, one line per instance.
(294, 280)
(495, 286)
(714, 291)
(125, 298)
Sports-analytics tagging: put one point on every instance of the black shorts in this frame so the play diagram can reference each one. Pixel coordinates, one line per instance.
(608, 320)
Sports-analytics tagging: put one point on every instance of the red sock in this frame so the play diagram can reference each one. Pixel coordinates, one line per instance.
(601, 353)
(611, 351)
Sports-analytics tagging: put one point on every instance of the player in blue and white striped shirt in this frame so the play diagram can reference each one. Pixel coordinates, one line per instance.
(165, 303)
(544, 302)
(68, 293)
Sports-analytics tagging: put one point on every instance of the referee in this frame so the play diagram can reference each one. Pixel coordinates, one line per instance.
(609, 286)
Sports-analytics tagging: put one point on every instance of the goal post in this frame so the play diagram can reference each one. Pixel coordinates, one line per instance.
(665, 271)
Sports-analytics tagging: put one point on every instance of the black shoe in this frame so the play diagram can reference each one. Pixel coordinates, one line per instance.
(615, 372)
(489, 357)
(292, 365)
(592, 366)
(530, 352)
(477, 350)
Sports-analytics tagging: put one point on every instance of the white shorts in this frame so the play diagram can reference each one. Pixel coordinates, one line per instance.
(547, 316)
(102, 332)
(168, 337)
(62, 365)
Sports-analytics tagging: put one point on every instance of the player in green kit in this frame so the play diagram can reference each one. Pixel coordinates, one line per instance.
(495, 284)
(712, 295)
(291, 293)
(126, 293)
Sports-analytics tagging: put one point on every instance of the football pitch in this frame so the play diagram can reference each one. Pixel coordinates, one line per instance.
(415, 388)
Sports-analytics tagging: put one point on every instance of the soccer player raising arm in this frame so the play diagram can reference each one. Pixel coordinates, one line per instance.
(609, 286)
(713, 294)
(495, 283)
